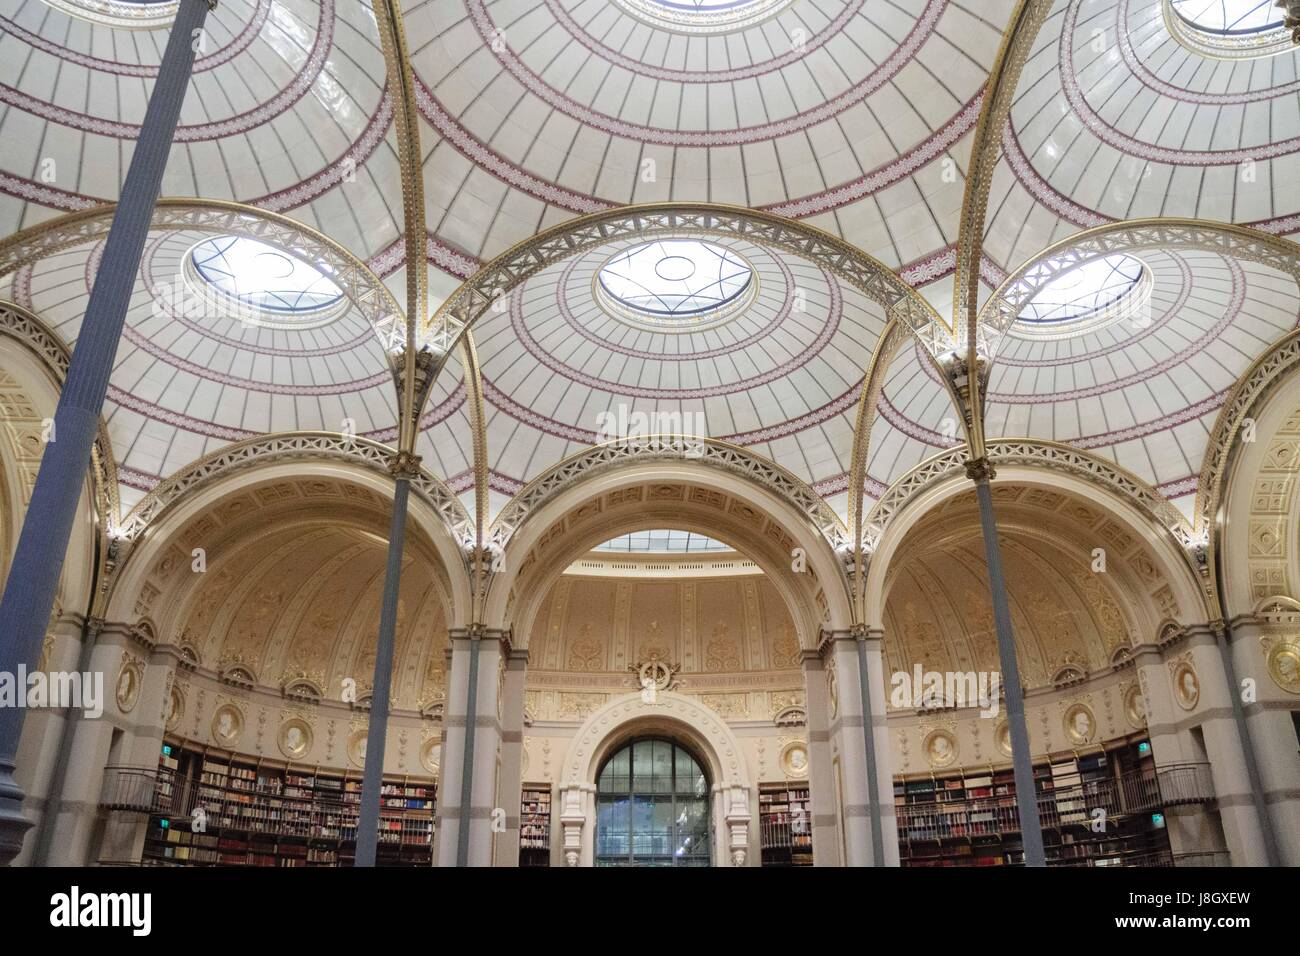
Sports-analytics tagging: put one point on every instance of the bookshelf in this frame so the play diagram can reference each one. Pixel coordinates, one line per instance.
(535, 825)
(969, 817)
(260, 814)
(785, 823)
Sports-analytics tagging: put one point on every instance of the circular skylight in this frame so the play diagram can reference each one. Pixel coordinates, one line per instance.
(1230, 29)
(702, 16)
(256, 279)
(664, 541)
(1086, 297)
(128, 14)
(681, 284)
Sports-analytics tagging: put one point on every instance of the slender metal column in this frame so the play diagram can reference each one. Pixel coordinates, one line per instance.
(38, 560)
(1247, 746)
(467, 765)
(1031, 833)
(869, 736)
(377, 732)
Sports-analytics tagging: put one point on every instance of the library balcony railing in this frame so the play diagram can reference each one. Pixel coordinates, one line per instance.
(1173, 785)
(136, 789)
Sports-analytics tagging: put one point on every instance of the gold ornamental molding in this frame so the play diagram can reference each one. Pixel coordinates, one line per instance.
(366, 291)
(293, 446)
(1050, 456)
(986, 150)
(1248, 397)
(709, 452)
(29, 331)
(1237, 242)
(392, 35)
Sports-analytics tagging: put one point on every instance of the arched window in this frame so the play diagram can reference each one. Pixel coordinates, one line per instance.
(652, 807)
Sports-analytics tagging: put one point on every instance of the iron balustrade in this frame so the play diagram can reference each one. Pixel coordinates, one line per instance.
(1171, 785)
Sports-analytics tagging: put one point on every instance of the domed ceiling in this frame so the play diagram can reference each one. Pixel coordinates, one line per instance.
(1114, 118)
(851, 116)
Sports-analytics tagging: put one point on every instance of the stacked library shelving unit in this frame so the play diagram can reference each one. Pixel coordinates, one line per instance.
(535, 825)
(212, 808)
(785, 824)
(969, 817)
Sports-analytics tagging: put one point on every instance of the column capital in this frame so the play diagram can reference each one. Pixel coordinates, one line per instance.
(980, 469)
(404, 464)
(479, 632)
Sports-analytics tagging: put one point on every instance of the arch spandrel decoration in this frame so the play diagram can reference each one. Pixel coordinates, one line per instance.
(667, 711)
(365, 290)
(305, 446)
(639, 450)
(28, 330)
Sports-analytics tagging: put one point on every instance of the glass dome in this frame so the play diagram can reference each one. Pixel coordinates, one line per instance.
(675, 282)
(702, 16)
(1087, 297)
(663, 541)
(1229, 29)
(263, 277)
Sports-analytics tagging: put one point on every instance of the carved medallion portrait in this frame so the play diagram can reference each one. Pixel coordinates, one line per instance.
(940, 748)
(295, 738)
(227, 726)
(130, 676)
(431, 755)
(794, 759)
(1187, 686)
(1135, 707)
(1080, 724)
(1284, 666)
(1003, 737)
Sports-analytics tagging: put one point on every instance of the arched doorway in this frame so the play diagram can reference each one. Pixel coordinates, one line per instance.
(652, 806)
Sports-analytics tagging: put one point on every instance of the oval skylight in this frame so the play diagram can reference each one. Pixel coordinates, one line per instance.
(702, 16)
(253, 275)
(1087, 297)
(675, 283)
(1229, 28)
(663, 541)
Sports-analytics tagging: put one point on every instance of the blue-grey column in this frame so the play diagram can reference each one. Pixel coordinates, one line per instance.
(38, 561)
(376, 734)
(1031, 832)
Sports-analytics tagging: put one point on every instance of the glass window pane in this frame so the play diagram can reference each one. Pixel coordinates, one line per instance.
(663, 766)
(643, 766)
(652, 807)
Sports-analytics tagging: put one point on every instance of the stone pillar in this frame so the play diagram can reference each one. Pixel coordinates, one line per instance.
(510, 785)
(43, 542)
(849, 725)
(43, 732)
(96, 743)
(1214, 716)
(468, 800)
(124, 832)
(827, 838)
(1272, 728)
